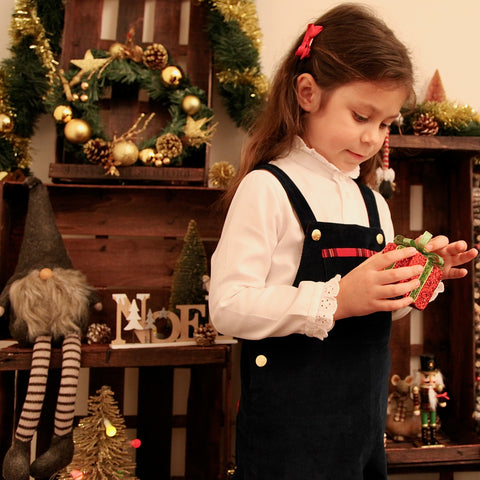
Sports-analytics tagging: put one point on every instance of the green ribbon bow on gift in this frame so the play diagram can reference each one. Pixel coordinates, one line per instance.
(432, 258)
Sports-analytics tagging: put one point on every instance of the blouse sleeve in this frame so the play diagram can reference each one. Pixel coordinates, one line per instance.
(242, 302)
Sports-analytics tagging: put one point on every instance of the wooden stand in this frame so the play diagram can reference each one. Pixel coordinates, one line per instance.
(127, 239)
(443, 167)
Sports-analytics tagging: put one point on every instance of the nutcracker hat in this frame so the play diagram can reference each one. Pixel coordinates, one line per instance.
(427, 363)
(42, 245)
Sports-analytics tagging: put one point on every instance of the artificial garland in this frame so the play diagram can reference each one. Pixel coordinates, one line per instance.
(437, 115)
(75, 106)
(25, 78)
(235, 37)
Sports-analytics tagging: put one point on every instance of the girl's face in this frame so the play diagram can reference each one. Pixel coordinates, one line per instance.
(351, 124)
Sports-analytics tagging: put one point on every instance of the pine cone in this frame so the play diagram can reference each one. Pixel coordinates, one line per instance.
(98, 151)
(99, 333)
(205, 335)
(155, 56)
(425, 124)
(168, 146)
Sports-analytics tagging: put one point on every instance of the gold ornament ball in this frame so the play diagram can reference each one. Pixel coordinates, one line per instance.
(117, 50)
(147, 156)
(84, 97)
(125, 153)
(191, 104)
(171, 76)
(6, 124)
(62, 114)
(77, 131)
(84, 86)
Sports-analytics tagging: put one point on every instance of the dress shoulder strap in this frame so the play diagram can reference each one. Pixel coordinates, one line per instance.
(298, 201)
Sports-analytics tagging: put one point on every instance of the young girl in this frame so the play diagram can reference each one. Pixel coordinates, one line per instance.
(295, 273)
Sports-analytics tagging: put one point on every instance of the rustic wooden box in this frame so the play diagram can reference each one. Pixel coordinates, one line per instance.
(443, 167)
(127, 239)
(180, 27)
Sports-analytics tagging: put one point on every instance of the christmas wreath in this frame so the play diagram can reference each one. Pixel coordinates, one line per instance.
(28, 76)
(76, 98)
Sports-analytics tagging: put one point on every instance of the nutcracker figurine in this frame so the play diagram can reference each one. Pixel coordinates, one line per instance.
(427, 395)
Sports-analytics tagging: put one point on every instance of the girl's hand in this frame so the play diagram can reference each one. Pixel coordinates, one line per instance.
(371, 288)
(453, 254)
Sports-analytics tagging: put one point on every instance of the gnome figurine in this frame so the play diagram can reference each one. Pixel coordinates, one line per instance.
(46, 302)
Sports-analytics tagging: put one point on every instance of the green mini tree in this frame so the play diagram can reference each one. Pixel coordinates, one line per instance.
(190, 271)
(101, 444)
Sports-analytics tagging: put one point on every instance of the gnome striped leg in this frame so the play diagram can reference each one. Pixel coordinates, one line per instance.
(16, 464)
(60, 452)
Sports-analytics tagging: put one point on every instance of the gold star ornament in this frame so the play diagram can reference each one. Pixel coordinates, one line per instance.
(87, 64)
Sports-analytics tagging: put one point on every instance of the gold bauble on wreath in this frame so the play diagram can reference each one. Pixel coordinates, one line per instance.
(62, 114)
(147, 156)
(124, 153)
(77, 131)
(171, 76)
(117, 50)
(191, 104)
(6, 123)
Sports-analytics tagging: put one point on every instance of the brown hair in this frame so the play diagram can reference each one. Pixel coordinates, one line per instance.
(354, 45)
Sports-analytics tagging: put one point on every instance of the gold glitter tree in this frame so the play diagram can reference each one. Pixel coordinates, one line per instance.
(101, 445)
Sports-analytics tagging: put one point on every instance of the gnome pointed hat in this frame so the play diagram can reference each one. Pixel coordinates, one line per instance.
(42, 245)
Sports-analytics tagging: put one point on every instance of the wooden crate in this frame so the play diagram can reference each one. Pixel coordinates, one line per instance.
(124, 104)
(442, 166)
(127, 239)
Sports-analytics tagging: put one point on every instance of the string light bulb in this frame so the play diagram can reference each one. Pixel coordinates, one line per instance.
(110, 430)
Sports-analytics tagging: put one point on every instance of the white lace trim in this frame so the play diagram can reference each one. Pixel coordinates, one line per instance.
(323, 322)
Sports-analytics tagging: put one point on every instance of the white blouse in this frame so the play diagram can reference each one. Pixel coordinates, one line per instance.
(254, 266)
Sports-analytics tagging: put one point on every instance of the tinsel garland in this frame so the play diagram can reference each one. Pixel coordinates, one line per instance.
(451, 118)
(235, 37)
(25, 80)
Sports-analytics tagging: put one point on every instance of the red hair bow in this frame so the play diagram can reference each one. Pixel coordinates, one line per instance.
(303, 50)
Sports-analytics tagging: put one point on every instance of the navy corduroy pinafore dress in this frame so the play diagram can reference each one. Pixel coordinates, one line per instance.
(315, 409)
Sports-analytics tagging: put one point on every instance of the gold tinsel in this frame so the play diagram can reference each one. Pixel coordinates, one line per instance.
(221, 174)
(449, 115)
(26, 22)
(244, 12)
(248, 76)
(195, 133)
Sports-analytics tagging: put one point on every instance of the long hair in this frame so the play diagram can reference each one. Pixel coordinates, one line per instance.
(354, 45)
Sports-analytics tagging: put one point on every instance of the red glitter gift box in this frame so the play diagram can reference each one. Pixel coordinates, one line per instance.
(432, 267)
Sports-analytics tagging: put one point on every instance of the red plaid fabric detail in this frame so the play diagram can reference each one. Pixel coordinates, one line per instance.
(347, 252)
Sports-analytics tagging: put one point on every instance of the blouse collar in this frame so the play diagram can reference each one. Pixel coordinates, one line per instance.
(311, 153)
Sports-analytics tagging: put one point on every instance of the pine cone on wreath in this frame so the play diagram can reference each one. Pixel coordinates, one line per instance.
(205, 335)
(425, 124)
(98, 151)
(169, 146)
(155, 56)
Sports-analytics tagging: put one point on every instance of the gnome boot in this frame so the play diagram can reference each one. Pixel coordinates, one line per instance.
(16, 464)
(58, 456)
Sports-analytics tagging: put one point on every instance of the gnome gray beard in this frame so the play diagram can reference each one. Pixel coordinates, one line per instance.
(55, 306)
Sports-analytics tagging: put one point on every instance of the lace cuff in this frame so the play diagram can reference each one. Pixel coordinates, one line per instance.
(323, 321)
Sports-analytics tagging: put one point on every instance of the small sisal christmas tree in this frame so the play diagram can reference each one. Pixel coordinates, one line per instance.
(101, 444)
(191, 267)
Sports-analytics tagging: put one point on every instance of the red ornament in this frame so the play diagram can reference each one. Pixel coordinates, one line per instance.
(136, 443)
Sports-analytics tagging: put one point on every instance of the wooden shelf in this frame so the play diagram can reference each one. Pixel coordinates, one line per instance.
(403, 457)
(435, 142)
(102, 356)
